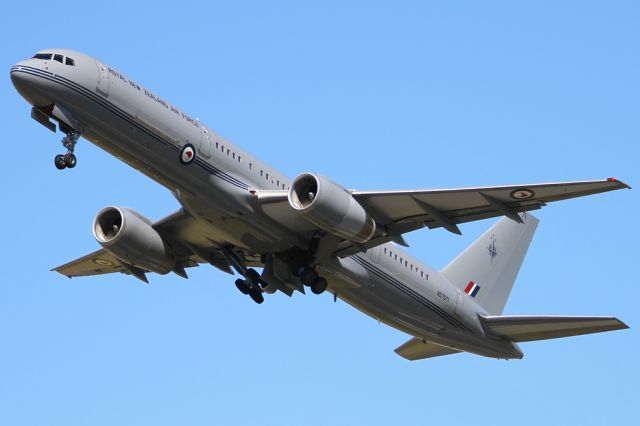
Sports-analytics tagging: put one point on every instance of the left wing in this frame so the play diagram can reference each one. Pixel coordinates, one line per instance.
(399, 212)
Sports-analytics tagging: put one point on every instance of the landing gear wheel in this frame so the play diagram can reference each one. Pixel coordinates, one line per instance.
(59, 162)
(253, 276)
(256, 295)
(319, 286)
(242, 286)
(308, 276)
(70, 160)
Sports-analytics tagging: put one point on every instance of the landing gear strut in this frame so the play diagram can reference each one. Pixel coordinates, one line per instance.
(69, 159)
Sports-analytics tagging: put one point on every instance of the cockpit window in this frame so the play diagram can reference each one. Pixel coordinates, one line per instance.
(70, 61)
(45, 56)
(58, 58)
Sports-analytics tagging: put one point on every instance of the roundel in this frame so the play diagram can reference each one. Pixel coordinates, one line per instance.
(522, 194)
(187, 154)
(103, 262)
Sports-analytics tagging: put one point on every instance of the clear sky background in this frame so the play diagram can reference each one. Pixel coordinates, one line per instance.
(377, 95)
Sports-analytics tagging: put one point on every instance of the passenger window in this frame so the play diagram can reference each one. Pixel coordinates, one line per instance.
(69, 61)
(58, 58)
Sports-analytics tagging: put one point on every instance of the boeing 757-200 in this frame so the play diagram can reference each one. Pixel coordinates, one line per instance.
(238, 213)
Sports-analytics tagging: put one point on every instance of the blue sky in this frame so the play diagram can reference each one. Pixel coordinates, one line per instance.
(377, 95)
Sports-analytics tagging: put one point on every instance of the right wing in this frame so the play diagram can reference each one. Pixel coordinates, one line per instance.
(539, 327)
(190, 240)
(97, 263)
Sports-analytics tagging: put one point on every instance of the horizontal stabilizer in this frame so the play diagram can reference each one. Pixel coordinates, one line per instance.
(416, 349)
(540, 327)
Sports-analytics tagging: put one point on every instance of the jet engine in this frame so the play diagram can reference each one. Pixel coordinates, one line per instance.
(330, 207)
(129, 236)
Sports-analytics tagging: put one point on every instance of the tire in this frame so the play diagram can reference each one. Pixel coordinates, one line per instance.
(256, 295)
(253, 276)
(319, 286)
(242, 286)
(59, 162)
(308, 276)
(70, 160)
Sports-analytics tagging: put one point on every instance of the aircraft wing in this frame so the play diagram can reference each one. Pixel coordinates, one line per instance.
(97, 263)
(190, 242)
(399, 212)
(416, 349)
(530, 328)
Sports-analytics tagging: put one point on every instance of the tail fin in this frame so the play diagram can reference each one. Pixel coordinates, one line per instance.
(487, 269)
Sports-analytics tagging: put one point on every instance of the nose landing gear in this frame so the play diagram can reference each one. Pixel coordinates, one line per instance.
(69, 159)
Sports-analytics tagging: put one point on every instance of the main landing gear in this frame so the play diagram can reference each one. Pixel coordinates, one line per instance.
(251, 285)
(311, 279)
(68, 160)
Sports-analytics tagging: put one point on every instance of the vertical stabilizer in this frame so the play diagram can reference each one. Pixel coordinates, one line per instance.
(487, 269)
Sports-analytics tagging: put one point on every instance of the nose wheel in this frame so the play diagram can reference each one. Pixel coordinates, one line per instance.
(69, 159)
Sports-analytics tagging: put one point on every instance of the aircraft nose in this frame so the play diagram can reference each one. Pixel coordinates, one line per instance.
(28, 83)
(17, 77)
(20, 76)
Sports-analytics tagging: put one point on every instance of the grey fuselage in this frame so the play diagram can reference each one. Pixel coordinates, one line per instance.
(145, 131)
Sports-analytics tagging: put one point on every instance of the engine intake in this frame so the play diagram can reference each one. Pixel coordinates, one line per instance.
(129, 236)
(331, 207)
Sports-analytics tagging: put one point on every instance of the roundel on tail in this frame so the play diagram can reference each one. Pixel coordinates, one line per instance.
(187, 154)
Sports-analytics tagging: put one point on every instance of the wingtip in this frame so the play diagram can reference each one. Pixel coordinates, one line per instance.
(623, 325)
(619, 182)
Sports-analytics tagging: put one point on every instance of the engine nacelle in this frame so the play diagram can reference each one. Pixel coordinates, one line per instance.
(331, 207)
(129, 236)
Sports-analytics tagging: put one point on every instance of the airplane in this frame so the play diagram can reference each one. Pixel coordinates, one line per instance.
(238, 214)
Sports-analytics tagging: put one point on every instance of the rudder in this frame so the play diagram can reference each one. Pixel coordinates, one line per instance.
(487, 269)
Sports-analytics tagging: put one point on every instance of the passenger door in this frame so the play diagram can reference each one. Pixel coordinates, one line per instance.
(459, 310)
(103, 80)
(204, 148)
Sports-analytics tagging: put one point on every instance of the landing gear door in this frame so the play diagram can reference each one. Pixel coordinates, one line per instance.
(103, 80)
